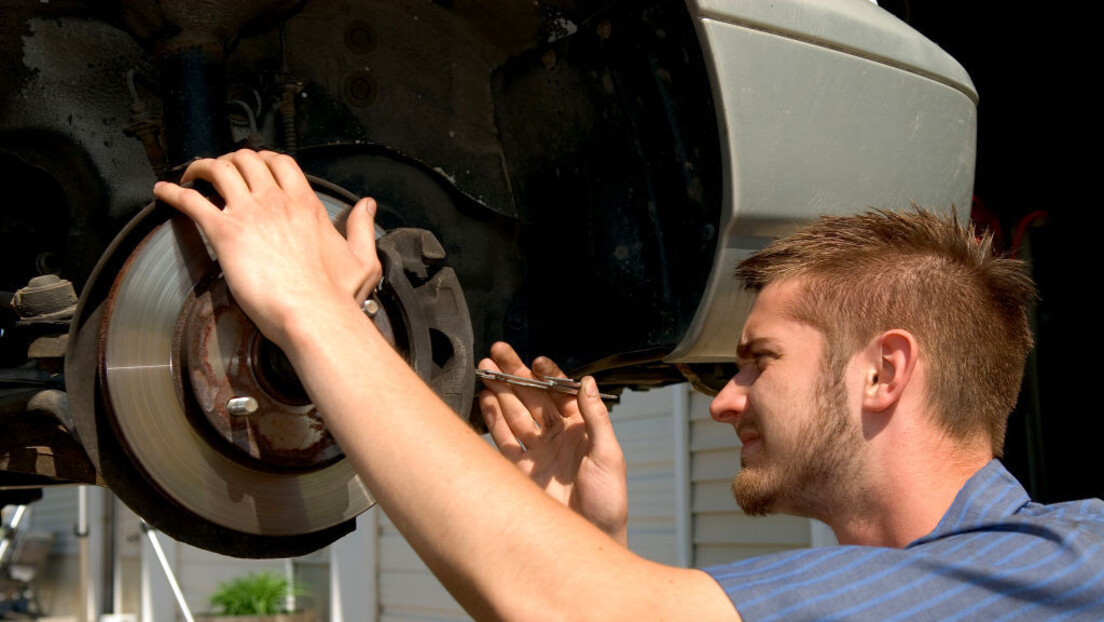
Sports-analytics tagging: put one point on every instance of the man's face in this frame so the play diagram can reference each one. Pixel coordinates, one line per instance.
(801, 444)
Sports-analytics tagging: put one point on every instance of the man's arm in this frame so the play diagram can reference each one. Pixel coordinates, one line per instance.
(564, 443)
(500, 545)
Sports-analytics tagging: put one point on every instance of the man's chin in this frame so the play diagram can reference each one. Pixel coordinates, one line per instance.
(754, 490)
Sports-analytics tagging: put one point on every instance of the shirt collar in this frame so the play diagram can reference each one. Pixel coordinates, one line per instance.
(990, 495)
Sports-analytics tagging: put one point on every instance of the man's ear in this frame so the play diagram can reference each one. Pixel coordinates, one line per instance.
(892, 359)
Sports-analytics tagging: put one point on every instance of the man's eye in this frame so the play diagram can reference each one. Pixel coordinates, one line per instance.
(753, 360)
(762, 359)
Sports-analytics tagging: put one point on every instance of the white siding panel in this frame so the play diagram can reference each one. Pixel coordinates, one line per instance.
(654, 544)
(407, 589)
(699, 406)
(709, 434)
(740, 529)
(416, 596)
(635, 404)
(651, 497)
(405, 616)
(713, 497)
(398, 556)
(715, 464)
(56, 512)
(644, 422)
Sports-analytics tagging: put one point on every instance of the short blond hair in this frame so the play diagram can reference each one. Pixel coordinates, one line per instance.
(918, 271)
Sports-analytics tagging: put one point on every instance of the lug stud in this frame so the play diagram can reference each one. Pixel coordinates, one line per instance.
(239, 406)
(370, 307)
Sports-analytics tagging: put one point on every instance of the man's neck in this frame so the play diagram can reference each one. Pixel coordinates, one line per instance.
(906, 499)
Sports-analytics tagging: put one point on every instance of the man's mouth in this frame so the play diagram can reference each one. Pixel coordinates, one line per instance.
(747, 435)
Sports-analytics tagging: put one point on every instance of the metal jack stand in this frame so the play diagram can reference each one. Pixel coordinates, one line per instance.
(7, 532)
(156, 543)
(22, 556)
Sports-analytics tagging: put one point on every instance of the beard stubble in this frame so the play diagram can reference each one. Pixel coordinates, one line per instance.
(820, 471)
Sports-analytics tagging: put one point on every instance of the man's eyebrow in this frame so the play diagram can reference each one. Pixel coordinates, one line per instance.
(744, 348)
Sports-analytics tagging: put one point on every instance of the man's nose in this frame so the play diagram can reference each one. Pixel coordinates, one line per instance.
(729, 405)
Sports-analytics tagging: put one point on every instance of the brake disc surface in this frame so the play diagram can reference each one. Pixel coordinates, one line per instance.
(152, 404)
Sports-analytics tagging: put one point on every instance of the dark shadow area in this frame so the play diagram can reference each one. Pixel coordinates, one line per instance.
(1034, 137)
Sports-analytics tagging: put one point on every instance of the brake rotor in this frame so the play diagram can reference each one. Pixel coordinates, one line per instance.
(199, 423)
(172, 345)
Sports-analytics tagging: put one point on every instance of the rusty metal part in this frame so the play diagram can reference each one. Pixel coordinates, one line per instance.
(433, 313)
(148, 127)
(219, 354)
(45, 298)
(38, 445)
(48, 346)
(149, 130)
(45, 307)
(289, 87)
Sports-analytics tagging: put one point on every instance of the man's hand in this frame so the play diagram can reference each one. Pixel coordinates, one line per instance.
(279, 252)
(564, 443)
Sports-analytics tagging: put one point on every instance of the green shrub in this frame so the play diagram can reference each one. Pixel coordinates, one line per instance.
(258, 594)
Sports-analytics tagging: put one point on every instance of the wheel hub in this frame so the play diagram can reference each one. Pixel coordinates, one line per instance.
(244, 386)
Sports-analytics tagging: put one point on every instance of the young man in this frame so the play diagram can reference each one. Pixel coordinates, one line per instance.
(876, 369)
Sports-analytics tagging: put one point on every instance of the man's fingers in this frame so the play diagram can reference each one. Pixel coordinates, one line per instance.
(547, 367)
(286, 172)
(518, 418)
(596, 417)
(360, 233)
(565, 402)
(253, 169)
(507, 359)
(223, 175)
(191, 203)
(538, 401)
(503, 438)
(360, 230)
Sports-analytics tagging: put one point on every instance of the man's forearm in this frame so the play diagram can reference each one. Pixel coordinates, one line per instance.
(481, 526)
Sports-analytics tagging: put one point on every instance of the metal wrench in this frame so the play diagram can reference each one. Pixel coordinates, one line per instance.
(545, 383)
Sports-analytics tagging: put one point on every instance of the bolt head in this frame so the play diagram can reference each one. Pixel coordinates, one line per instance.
(370, 307)
(244, 405)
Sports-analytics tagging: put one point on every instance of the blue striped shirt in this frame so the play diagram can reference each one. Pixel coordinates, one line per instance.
(995, 555)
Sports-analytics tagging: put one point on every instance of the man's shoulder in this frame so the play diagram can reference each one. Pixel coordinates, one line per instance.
(994, 502)
(995, 554)
(1067, 523)
(1017, 571)
(1088, 512)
